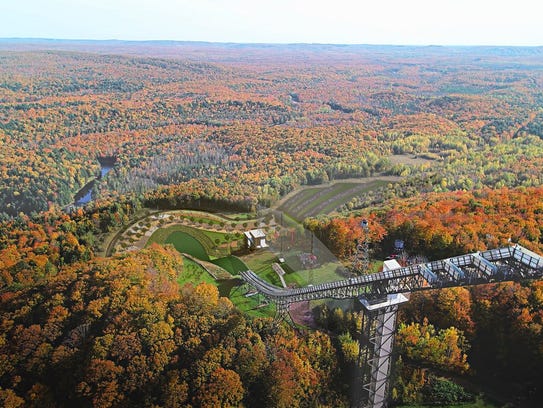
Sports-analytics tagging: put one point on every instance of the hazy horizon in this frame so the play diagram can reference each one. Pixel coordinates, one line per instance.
(105, 40)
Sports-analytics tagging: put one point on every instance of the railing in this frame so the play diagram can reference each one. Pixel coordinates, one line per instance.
(496, 265)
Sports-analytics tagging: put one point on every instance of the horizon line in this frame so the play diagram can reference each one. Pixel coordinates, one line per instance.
(105, 40)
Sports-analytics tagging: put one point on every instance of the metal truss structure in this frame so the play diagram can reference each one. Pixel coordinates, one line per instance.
(381, 293)
(376, 344)
(496, 265)
(361, 261)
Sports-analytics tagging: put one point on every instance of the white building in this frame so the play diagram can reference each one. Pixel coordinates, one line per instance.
(390, 265)
(256, 239)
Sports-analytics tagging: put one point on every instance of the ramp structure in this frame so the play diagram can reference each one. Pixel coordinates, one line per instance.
(381, 293)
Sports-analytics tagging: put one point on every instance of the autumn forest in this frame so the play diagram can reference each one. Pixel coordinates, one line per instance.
(453, 137)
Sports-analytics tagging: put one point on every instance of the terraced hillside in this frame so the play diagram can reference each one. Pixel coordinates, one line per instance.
(312, 201)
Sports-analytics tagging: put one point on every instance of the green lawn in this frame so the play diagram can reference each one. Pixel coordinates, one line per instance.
(161, 234)
(186, 243)
(324, 273)
(220, 239)
(189, 241)
(203, 245)
(252, 305)
(215, 244)
(216, 271)
(194, 273)
(232, 264)
(260, 262)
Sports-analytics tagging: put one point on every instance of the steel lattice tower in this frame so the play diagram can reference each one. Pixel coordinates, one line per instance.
(381, 293)
(376, 345)
(361, 261)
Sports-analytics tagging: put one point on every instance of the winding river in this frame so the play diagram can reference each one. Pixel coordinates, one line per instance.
(84, 196)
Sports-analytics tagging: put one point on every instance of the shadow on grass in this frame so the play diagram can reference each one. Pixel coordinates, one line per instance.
(254, 305)
(226, 286)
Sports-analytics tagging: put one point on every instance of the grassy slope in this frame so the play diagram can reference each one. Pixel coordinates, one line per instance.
(186, 243)
(210, 240)
(232, 264)
(194, 273)
(323, 200)
(183, 239)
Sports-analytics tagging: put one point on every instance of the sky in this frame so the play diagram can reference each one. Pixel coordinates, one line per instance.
(402, 22)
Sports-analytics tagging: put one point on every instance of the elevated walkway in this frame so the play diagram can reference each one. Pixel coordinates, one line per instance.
(381, 293)
(496, 265)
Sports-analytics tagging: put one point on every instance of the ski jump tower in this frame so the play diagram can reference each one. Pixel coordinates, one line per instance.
(381, 293)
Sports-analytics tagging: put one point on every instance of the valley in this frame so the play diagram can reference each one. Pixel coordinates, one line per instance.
(191, 163)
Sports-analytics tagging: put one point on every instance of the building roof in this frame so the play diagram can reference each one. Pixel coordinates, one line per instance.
(391, 264)
(257, 233)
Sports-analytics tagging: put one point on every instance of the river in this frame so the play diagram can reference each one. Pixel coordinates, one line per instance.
(84, 196)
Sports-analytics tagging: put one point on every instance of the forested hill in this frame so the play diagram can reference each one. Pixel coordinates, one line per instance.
(187, 116)
(130, 334)
(122, 332)
(231, 51)
(237, 127)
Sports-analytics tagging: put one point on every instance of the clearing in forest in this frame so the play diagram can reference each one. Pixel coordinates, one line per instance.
(316, 200)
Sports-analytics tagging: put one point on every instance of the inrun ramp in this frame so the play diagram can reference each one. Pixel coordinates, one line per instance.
(381, 294)
(496, 265)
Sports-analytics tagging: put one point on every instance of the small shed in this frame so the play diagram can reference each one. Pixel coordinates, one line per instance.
(256, 239)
